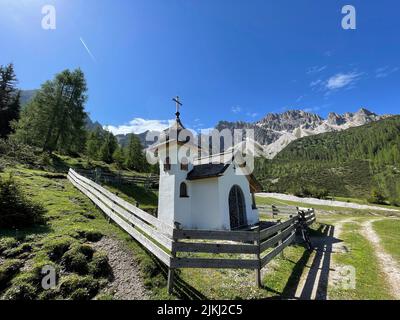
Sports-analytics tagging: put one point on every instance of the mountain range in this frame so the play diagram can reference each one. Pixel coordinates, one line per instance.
(360, 162)
(277, 130)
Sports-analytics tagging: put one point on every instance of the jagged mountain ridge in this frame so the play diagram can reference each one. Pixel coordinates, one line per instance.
(277, 130)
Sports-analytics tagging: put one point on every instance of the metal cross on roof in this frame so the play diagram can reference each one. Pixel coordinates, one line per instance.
(178, 103)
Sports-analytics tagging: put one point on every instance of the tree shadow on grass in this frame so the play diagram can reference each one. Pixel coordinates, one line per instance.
(23, 233)
(136, 193)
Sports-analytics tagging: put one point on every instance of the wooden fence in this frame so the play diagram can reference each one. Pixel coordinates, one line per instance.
(98, 175)
(252, 248)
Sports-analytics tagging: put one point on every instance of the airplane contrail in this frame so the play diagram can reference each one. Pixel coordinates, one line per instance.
(88, 50)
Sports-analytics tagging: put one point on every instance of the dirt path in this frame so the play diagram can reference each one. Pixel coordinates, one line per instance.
(388, 265)
(127, 283)
(330, 203)
(320, 271)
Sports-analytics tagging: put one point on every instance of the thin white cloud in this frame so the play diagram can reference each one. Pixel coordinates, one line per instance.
(236, 109)
(342, 80)
(315, 83)
(139, 125)
(384, 72)
(316, 69)
(88, 50)
(252, 114)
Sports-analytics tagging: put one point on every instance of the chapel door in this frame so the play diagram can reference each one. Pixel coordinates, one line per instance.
(237, 208)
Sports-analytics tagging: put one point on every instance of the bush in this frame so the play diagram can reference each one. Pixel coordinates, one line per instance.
(81, 294)
(376, 197)
(18, 152)
(77, 258)
(105, 296)
(18, 251)
(72, 283)
(89, 235)
(17, 211)
(99, 266)
(23, 291)
(7, 244)
(93, 236)
(8, 270)
(57, 247)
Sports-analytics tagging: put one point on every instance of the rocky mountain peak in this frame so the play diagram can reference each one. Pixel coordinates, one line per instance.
(289, 120)
(335, 119)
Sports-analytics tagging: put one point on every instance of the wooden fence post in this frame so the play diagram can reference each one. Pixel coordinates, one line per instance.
(171, 275)
(280, 242)
(258, 270)
(171, 271)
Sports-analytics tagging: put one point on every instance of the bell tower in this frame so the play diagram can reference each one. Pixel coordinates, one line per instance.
(174, 204)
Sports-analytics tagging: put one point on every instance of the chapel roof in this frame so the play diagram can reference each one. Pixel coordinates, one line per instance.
(216, 170)
(209, 170)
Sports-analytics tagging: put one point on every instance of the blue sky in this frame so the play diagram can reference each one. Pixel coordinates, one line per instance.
(227, 59)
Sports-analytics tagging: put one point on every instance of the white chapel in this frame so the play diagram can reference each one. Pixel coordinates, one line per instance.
(203, 192)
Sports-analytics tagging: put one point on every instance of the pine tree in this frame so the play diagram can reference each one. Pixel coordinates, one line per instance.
(108, 147)
(55, 118)
(94, 141)
(9, 99)
(135, 158)
(119, 157)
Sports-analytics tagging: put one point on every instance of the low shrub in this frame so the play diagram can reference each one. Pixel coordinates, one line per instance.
(57, 247)
(18, 152)
(376, 197)
(99, 266)
(71, 283)
(104, 296)
(18, 251)
(81, 294)
(23, 291)
(93, 236)
(8, 270)
(89, 235)
(7, 244)
(17, 211)
(77, 259)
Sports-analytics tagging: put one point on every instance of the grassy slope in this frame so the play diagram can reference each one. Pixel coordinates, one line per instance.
(389, 233)
(67, 212)
(370, 281)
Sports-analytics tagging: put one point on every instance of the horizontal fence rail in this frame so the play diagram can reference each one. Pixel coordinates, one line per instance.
(241, 249)
(150, 181)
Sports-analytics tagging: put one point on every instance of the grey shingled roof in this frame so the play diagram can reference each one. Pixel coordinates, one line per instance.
(209, 170)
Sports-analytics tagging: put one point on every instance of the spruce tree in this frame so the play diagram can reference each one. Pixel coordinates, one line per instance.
(55, 118)
(9, 99)
(108, 147)
(135, 158)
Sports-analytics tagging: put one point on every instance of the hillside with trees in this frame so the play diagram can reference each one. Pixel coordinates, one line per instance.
(40, 126)
(361, 162)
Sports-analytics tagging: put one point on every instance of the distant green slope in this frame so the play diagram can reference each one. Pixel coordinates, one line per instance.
(351, 163)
